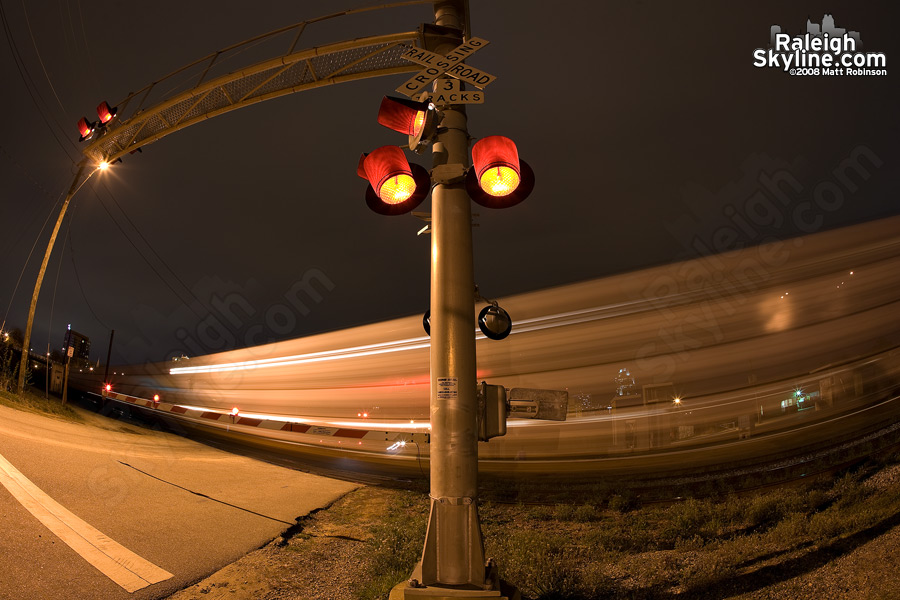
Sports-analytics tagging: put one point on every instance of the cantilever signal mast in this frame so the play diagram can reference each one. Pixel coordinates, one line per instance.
(140, 120)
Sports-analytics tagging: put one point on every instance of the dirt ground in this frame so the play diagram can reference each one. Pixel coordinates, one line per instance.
(322, 559)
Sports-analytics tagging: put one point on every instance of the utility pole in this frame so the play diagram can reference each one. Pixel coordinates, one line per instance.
(112, 333)
(23, 363)
(65, 391)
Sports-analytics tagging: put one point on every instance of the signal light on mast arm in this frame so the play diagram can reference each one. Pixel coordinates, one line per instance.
(86, 128)
(418, 120)
(105, 112)
(395, 186)
(498, 179)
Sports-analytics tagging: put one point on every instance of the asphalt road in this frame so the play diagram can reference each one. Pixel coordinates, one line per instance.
(134, 495)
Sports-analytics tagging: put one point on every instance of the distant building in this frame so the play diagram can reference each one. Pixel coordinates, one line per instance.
(81, 345)
(625, 384)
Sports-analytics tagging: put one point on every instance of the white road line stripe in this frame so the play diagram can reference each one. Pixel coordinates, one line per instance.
(120, 564)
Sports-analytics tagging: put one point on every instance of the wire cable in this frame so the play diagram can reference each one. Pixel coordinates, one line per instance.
(26, 79)
(149, 264)
(153, 250)
(80, 286)
(27, 260)
(41, 60)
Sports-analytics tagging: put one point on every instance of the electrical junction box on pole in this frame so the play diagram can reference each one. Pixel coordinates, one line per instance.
(491, 411)
(496, 405)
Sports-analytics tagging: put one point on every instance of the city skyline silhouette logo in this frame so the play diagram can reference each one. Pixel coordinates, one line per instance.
(822, 50)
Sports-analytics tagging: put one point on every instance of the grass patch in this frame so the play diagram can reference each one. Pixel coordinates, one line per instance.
(34, 403)
(395, 545)
(695, 548)
(766, 544)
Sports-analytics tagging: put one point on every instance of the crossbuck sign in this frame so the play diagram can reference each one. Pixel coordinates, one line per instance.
(451, 64)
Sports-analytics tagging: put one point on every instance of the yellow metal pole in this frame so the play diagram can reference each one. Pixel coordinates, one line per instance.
(23, 363)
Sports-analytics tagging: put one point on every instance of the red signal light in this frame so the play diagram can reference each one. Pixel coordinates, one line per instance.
(418, 120)
(105, 112)
(156, 398)
(86, 128)
(404, 116)
(108, 387)
(498, 179)
(395, 186)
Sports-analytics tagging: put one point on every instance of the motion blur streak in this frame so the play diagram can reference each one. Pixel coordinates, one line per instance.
(284, 361)
(765, 348)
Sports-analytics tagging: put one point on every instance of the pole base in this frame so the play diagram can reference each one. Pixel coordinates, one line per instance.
(403, 591)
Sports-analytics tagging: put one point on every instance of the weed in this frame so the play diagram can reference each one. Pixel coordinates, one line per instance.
(36, 404)
(586, 513)
(541, 565)
(623, 502)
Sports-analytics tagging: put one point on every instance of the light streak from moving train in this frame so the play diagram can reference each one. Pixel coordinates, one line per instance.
(734, 336)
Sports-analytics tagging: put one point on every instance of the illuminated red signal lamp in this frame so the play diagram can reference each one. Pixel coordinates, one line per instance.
(418, 120)
(105, 112)
(395, 186)
(86, 129)
(498, 179)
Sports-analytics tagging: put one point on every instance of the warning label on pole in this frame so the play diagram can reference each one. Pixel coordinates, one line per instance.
(448, 388)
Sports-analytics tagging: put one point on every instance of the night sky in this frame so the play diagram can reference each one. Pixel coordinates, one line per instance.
(651, 134)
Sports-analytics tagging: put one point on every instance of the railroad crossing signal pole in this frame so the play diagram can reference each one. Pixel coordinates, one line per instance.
(453, 562)
(453, 549)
